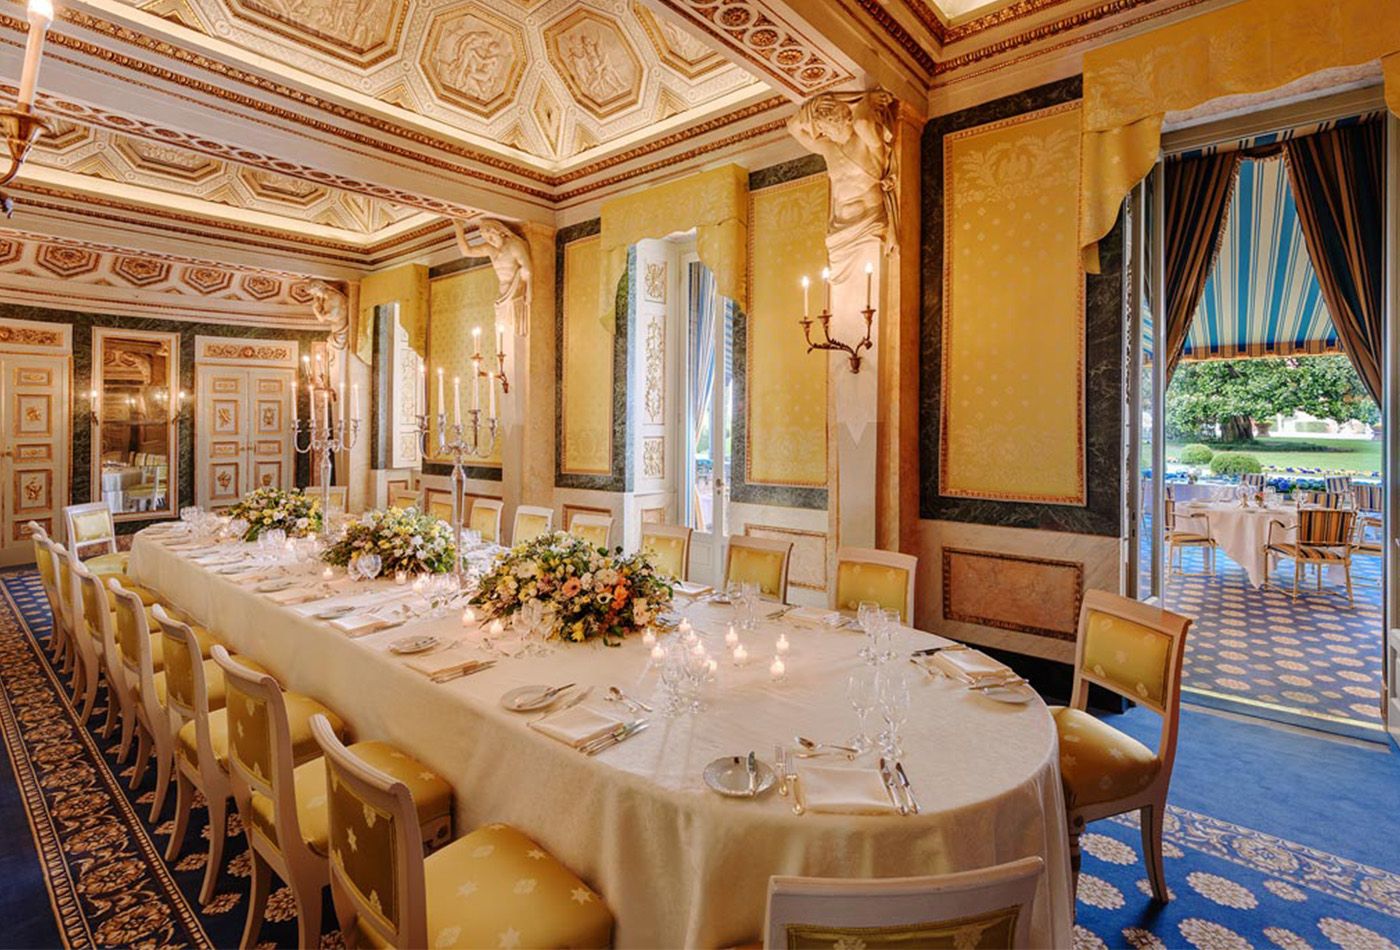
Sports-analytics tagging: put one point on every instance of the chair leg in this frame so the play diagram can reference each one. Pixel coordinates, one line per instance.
(257, 900)
(1351, 600)
(308, 900)
(218, 831)
(344, 915)
(1297, 575)
(143, 758)
(184, 804)
(89, 692)
(163, 766)
(1152, 817)
(129, 731)
(1076, 828)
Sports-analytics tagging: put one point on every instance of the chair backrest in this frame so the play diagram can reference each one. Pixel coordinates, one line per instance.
(260, 756)
(336, 500)
(89, 526)
(885, 577)
(762, 561)
(989, 907)
(376, 851)
(531, 521)
(133, 635)
(70, 610)
(43, 560)
(1135, 650)
(405, 498)
(1338, 484)
(1368, 497)
(486, 518)
(667, 546)
(595, 529)
(186, 690)
(1325, 527)
(1324, 499)
(438, 504)
(1254, 480)
(97, 617)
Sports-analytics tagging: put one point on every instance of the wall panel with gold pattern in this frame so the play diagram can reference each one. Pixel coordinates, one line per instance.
(458, 305)
(586, 367)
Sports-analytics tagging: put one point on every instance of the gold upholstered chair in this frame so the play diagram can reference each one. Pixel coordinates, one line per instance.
(467, 894)
(59, 641)
(196, 699)
(92, 537)
(439, 504)
(668, 548)
(595, 529)
(337, 499)
(97, 643)
(883, 577)
(988, 907)
(761, 561)
(486, 519)
(531, 521)
(1135, 650)
(405, 498)
(1323, 538)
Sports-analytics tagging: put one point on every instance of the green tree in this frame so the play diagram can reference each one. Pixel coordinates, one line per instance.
(1233, 393)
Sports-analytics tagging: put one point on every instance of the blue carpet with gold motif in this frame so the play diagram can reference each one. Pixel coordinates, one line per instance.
(1274, 839)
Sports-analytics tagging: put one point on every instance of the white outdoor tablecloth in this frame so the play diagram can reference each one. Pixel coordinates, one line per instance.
(678, 865)
(1243, 532)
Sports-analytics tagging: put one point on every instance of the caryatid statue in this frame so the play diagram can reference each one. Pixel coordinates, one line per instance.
(854, 132)
(331, 308)
(510, 258)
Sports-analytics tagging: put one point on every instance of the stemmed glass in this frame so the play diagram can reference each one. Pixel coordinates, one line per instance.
(368, 566)
(894, 708)
(862, 692)
(889, 624)
(867, 612)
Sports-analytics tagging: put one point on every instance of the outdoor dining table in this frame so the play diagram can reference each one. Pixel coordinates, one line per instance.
(1242, 533)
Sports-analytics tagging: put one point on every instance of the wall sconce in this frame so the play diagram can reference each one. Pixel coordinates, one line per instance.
(94, 407)
(500, 374)
(20, 126)
(853, 352)
(178, 409)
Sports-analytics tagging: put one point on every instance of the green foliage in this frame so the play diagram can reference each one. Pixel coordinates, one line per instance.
(1234, 463)
(1230, 392)
(1196, 454)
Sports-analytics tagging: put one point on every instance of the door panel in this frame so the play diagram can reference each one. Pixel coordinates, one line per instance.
(270, 449)
(34, 425)
(221, 445)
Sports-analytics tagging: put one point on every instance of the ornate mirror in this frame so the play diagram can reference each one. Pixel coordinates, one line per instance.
(135, 405)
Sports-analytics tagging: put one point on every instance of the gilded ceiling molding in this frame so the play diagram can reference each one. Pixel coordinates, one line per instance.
(879, 12)
(751, 29)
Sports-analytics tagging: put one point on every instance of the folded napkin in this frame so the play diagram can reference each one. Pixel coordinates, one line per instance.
(692, 589)
(359, 624)
(843, 789)
(292, 595)
(812, 617)
(445, 664)
(577, 725)
(970, 666)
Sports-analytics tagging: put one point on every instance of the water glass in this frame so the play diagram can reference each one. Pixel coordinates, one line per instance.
(867, 611)
(368, 565)
(894, 708)
(862, 692)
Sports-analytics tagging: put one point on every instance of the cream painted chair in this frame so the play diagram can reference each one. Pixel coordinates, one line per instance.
(465, 895)
(885, 577)
(70, 613)
(1184, 531)
(99, 650)
(195, 697)
(531, 522)
(59, 641)
(486, 519)
(1136, 651)
(667, 546)
(90, 527)
(989, 907)
(439, 504)
(337, 499)
(595, 529)
(405, 498)
(762, 561)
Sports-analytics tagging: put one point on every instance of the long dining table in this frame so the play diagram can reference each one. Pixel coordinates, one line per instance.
(678, 864)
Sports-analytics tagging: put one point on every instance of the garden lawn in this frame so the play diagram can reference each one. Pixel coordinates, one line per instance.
(1281, 453)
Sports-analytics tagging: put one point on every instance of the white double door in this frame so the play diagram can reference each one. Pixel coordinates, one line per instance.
(35, 457)
(243, 436)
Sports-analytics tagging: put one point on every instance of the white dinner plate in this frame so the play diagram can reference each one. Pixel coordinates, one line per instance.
(531, 698)
(729, 776)
(416, 644)
(1016, 695)
(273, 586)
(335, 613)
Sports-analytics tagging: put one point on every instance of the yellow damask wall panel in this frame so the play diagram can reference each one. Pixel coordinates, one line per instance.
(408, 287)
(587, 386)
(1013, 311)
(459, 304)
(786, 388)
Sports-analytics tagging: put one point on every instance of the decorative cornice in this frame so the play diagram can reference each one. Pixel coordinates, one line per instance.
(879, 12)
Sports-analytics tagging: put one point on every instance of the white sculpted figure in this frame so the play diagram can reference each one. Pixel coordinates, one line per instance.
(331, 307)
(854, 132)
(510, 258)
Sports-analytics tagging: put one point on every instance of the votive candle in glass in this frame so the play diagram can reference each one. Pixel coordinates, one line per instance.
(468, 616)
(649, 637)
(778, 670)
(328, 573)
(741, 655)
(657, 653)
(401, 577)
(783, 645)
(496, 628)
(731, 636)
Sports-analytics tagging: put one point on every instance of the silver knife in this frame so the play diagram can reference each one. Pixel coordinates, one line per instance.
(615, 738)
(908, 789)
(752, 765)
(575, 700)
(888, 779)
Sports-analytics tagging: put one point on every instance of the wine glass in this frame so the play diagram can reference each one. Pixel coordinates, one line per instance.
(862, 691)
(890, 622)
(894, 708)
(866, 612)
(368, 565)
(237, 528)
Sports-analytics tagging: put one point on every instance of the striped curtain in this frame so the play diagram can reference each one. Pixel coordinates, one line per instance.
(1197, 197)
(702, 348)
(1338, 180)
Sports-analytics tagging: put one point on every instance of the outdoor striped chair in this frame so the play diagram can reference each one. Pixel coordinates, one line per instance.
(1338, 484)
(1323, 539)
(1255, 480)
(1324, 499)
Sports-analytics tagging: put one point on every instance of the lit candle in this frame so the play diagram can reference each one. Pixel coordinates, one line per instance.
(318, 364)
(326, 408)
(649, 637)
(683, 626)
(777, 671)
(500, 341)
(420, 583)
(657, 653)
(401, 577)
(731, 636)
(476, 343)
(340, 401)
(456, 400)
(491, 388)
(698, 649)
(496, 628)
(806, 287)
(712, 665)
(468, 617)
(328, 573)
(741, 656)
(441, 403)
(476, 382)
(40, 16)
(826, 279)
(294, 403)
(869, 279)
(783, 645)
(355, 401)
(306, 366)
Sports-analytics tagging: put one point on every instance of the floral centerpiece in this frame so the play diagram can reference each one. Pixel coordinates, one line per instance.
(265, 509)
(584, 591)
(404, 538)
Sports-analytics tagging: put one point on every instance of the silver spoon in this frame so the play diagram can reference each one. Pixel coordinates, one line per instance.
(618, 696)
(814, 746)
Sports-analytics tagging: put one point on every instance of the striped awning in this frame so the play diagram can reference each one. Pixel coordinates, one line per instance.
(1262, 297)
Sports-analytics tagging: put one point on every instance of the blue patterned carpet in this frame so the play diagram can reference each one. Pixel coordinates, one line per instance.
(1274, 839)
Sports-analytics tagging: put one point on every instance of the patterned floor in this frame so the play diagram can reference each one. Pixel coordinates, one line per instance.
(99, 862)
(1314, 662)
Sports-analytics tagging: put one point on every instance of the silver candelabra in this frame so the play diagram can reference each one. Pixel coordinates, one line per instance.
(325, 438)
(460, 451)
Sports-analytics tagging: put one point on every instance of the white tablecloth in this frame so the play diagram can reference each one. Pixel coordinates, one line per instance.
(678, 865)
(1243, 532)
